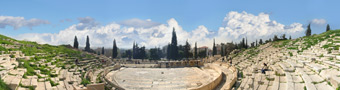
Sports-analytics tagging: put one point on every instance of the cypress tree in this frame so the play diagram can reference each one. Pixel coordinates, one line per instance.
(186, 50)
(114, 49)
(214, 49)
(195, 52)
(243, 44)
(87, 47)
(328, 28)
(103, 51)
(308, 31)
(222, 49)
(134, 50)
(256, 43)
(75, 43)
(174, 48)
(246, 42)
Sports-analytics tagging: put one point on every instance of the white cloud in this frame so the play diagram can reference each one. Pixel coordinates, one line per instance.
(235, 26)
(241, 25)
(318, 21)
(103, 35)
(135, 22)
(18, 22)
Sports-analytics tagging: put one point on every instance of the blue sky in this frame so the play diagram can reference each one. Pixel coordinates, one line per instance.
(188, 13)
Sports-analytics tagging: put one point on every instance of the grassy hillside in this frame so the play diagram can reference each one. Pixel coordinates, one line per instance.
(308, 41)
(303, 42)
(31, 48)
(48, 53)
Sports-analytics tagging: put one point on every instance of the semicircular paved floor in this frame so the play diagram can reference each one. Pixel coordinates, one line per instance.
(163, 78)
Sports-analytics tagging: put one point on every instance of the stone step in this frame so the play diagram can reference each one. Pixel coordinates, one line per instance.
(335, 81)
(290, 83)
(294, 64)
(323, 86)
(316, 67)
(307, 79)
(287, 68)
(299, 86)
(277, 69)
(276, 83)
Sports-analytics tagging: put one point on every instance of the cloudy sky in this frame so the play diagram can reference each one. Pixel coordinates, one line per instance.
(150, 22)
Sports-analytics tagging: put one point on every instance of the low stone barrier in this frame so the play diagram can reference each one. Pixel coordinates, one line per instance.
(233, 81)
(99, 86)
(214, 83)
(112, 83)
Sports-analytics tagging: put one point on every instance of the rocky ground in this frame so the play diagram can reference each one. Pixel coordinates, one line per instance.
(307, 63)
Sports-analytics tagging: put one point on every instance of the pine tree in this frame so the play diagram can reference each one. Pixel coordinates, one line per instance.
(256, 43)
(75, 43)
(290, 37)
(87, 47)
(103, 51)
(328, 28)
(154, 54)
(187, 50)
(114, 49)
(136, 51)
(260, 42)
(222, 49)
(275, 38)
(252, 44)
(308, 31)
(142, 53)
(98, 53)
(174, 48)
(195, 52)
(246, 42)
(168, 51)
(129, 53)
(283, 37)
(214, 49)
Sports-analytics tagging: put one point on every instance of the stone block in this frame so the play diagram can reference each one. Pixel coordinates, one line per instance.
(26, 82)
(34, 83)
(14, 83)
(335, 81)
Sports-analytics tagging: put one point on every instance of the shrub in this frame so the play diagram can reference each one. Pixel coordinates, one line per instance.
(290, 53)
(84, 81)
(12, 56)
(52, 82)
(53, 75)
